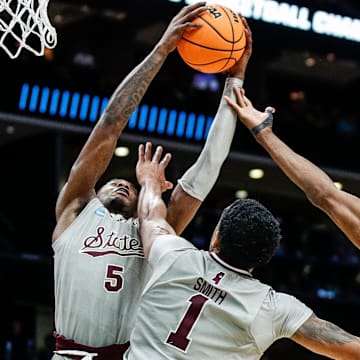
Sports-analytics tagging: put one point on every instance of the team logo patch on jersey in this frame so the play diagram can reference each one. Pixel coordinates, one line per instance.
(100, 211)
(218, 277)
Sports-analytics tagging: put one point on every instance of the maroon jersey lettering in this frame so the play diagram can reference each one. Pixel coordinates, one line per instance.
(180, 338)
(113, 279)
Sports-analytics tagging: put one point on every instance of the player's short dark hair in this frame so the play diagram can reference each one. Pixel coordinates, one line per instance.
(249, 233)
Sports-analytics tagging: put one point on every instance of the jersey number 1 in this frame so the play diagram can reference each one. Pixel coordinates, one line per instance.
(180, 338)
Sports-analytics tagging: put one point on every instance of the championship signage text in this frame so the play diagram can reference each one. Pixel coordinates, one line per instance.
(294, 16)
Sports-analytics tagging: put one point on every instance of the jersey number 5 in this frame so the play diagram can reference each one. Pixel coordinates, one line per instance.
(113, 278)
(180, 338)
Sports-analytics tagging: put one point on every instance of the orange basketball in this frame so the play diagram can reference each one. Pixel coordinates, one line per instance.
(218, 44)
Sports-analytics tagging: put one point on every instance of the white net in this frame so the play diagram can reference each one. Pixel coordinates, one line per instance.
(24, 24)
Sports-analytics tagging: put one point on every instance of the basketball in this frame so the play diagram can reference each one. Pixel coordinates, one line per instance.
(218, 44)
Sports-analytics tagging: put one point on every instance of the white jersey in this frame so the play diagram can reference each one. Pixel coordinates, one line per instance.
(195, 306)
(100, 274)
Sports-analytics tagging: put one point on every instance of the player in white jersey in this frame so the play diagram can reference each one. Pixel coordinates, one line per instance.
(100, 269)
(207, 305)
(343, 208)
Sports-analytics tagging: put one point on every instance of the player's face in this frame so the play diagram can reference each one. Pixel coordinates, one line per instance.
(119, 196)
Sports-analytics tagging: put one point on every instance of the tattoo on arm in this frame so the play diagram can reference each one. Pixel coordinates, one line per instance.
(131, 91)
(325, 332)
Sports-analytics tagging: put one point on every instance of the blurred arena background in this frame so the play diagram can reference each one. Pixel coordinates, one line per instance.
(305, 63)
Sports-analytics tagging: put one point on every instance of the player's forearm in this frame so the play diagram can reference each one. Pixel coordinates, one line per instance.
(152, 211)
(151, 205)
(201, 177)
(313, 181)
(218, 142)
(130, 92)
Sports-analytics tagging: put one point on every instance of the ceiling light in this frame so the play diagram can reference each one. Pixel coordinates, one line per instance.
(256, 173)
(58, 19)
(10, 129)
(241, 194)
(339, 185)
(310, 61)
(122, 151)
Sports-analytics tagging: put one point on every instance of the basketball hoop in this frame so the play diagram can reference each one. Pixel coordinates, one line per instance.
(25, 24)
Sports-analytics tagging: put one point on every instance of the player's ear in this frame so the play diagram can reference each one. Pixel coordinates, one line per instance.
(215, 241)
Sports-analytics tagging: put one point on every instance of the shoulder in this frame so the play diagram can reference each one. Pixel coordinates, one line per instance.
(279, 316)
(75, 210)
(80, 206)
(168, 244)
(289, 313)
(282, 302)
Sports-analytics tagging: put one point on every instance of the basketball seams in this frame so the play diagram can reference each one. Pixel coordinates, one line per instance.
(216, 30)
(213, 62)
(232, 27)
(229, 18)
(232, 42)
(233, 35)
(230, 22)
(211, 48)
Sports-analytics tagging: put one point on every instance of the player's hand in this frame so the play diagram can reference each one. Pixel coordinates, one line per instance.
(153, 167)
(180, 23)
(239, 69)
(245, 110)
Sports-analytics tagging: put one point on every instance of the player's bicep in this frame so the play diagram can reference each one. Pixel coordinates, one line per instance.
(151, 230)
(326, 338)
(344, 210)
(90, 164)
(181, 209)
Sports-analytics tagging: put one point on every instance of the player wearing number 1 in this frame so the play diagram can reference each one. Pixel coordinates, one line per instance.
(100, 270)
(207, 305)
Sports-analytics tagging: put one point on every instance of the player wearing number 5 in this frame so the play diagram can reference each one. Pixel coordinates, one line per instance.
(207, 305)
(100, 270)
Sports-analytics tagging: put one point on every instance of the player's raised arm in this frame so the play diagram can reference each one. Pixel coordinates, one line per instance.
(198, 180)
(152, 211)
(343, 208)
(327, 339)
(96, 154)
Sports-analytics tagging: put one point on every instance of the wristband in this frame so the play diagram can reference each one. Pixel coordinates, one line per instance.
(267, 122)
